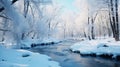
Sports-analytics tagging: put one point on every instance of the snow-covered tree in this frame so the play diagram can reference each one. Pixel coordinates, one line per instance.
(28, 19)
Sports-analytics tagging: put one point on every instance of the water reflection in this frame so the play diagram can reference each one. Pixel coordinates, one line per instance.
(116, 65)
(61, 54)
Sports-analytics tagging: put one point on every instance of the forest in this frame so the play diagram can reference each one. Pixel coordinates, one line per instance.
(59, 33)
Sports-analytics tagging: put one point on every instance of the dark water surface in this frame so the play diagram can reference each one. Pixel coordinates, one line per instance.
(61, 54)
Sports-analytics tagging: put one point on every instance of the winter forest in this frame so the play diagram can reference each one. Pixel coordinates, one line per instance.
(59, 33)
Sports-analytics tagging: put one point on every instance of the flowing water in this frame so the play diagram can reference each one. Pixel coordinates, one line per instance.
(61, 54)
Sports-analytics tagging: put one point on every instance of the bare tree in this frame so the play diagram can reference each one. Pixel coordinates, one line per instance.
(114, 18)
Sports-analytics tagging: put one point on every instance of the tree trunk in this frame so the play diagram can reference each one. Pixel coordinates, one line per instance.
(89, 27)
(114, 19)
(92, 29)
(26, 7)
(117, 21)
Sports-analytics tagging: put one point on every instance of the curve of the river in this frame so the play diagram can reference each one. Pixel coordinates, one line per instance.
(61, 54)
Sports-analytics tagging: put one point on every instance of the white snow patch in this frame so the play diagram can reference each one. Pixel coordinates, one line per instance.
(24, 58)
(104, 46)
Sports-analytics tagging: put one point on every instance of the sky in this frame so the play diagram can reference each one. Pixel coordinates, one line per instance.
(67, 5)
(78, 7)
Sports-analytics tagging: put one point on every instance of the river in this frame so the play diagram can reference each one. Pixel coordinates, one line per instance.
(61, 54)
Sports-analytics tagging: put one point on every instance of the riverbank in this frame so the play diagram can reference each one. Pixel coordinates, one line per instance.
(106, 48)
(24, 58)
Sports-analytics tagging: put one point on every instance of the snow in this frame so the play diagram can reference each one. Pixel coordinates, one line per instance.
(24, 58)
(28, 42)
(98, 47)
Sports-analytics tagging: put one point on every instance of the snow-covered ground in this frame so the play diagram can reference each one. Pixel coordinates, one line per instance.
(98, 47)
(24, 58)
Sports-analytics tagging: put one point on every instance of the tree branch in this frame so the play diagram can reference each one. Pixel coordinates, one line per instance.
(13, 1)
(4, 30)
(2, 8)
(5, 17)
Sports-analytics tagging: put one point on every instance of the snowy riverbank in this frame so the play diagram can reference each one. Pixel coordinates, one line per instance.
(108, 48)
(24, 58)
(30, 43)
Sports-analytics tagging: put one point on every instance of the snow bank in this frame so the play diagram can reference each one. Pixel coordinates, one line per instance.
(29, 42)
(98, 47)
(24, 58)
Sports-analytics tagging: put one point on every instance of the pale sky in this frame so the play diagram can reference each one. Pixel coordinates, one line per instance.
(67, 5)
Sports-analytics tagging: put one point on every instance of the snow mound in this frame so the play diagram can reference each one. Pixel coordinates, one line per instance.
(98, 47)
(24, 58)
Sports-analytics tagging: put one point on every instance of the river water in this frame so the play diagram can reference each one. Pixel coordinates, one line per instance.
(61, 54)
